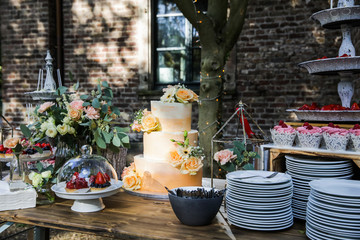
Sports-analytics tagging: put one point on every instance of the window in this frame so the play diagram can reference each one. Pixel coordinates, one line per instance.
(177, 53)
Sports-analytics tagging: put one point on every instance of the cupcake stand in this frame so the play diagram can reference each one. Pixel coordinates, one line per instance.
(314, 163)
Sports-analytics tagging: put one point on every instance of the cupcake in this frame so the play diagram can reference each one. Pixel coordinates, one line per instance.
(283, 135)
(355, 136)
(336, 138)
(309, 136)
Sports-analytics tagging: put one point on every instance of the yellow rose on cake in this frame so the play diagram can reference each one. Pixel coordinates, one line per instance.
(175, 159)
(150, 123)
(132, 181)
(191, 166)
(184, 95)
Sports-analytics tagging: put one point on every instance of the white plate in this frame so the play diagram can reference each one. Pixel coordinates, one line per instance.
(255, 211)
(258, 187)
(337, 187)
(310, 177)
(236, 176)
(260, 199)
(60, 191)
(244, 204)
(336, 201)
(328, 212)
(260, 215)
(260, 222)
(313, 233)
(333, 222)
(260, 227)
(262, 193)
(318, 167)
(331, 229)
(335, 206)
(313, 161)
(319, 171)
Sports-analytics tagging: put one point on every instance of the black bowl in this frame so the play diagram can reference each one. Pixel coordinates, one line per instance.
(195, 211)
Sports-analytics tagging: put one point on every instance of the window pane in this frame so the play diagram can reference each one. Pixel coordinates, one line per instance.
(166, 7)
(172, 66)
(171, 32)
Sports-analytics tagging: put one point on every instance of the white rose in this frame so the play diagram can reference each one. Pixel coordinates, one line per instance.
(63, 129)
(46, 174)
(44, 127)
(31, 175)
(66, 120)
(51, 120)
(51, 131)
(71, 130)
(37, 180)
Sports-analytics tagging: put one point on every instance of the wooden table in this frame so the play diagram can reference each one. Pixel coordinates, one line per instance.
(132, 217)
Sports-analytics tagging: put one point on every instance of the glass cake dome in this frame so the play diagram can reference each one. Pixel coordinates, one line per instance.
(87, 166)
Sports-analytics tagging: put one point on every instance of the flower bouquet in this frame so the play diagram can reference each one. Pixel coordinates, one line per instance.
(236, 158)
(75, 120)
(41, 180)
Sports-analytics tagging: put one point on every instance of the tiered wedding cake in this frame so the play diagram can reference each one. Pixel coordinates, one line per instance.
(171, 157)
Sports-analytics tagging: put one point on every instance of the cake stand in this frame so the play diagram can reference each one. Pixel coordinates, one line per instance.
(86, 201)
(344, 17)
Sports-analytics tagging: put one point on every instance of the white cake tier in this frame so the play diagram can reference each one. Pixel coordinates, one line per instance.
(157, 145)
(173, 117)
(156, 175)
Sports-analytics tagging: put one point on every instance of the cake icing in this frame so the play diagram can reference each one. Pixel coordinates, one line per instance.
(170, 156)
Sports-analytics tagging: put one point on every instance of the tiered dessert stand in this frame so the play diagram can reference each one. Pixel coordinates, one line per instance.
(345, 16)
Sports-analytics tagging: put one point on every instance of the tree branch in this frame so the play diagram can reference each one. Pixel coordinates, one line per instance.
(217, 11)
(235, 23)
(187, 8)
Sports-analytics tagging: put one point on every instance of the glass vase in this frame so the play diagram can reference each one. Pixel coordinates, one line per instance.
(17, 175)
(64, 152)
(45, 195)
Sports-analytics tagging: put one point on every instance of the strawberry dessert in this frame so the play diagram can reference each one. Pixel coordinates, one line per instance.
(283, 134)
(76, 183)
(99, 182)
(5, 152)
(309, 136)
(32, 152)
(355, 137)
(336, 138)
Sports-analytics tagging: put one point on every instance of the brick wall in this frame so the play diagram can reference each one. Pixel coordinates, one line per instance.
(25, 37)
(101, 40)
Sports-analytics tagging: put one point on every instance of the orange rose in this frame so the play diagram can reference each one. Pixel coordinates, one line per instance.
(184, 95)
(195, 96)
(175, 159)
(75, 114)
(191, 166)
(149, 123)
(11, 142)
(132, 181)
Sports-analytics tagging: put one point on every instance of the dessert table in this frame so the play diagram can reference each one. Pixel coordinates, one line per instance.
(131, 217)
(276, 155)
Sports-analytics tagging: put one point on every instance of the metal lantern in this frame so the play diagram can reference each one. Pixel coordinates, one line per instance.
(241, 133)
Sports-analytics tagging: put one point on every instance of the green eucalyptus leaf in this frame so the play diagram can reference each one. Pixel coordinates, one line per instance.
(88, 124)
(25, 130)
(107, 136)
(39, 149)
(114, 148)
(71, 76)
(229, 167)
(18, 148)
(115, 110)
(125, 139)
(105, 84)
(96, 103)
(123, 130)
(104, 108)
(84, 97)
(116, 141)
(100, 141)
(85, 104)
(248, 166)
(61, 90)
(39, 166)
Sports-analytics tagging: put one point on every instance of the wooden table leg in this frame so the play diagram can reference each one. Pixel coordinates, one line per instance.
(41, 233)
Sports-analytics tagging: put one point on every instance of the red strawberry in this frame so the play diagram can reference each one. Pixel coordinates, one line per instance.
(284, 125)
(43, 145)
(92, 179)
(38, 145)
(330, 125)
(355, 106)
(306, 124)
(100, 178)
(309, 127)
(8, 150)
(70, 185)
(107, 177)
(356, 126)
(281, 122)
(2, 148)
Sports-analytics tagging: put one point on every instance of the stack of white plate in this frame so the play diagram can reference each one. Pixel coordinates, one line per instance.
(259, 203)
(333, 210)
(304, 169)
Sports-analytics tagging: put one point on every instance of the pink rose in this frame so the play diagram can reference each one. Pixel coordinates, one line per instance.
(45, 106)
(128, 170)
(92, 113)
(136, 126)
(224, 156)
(77, 104)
